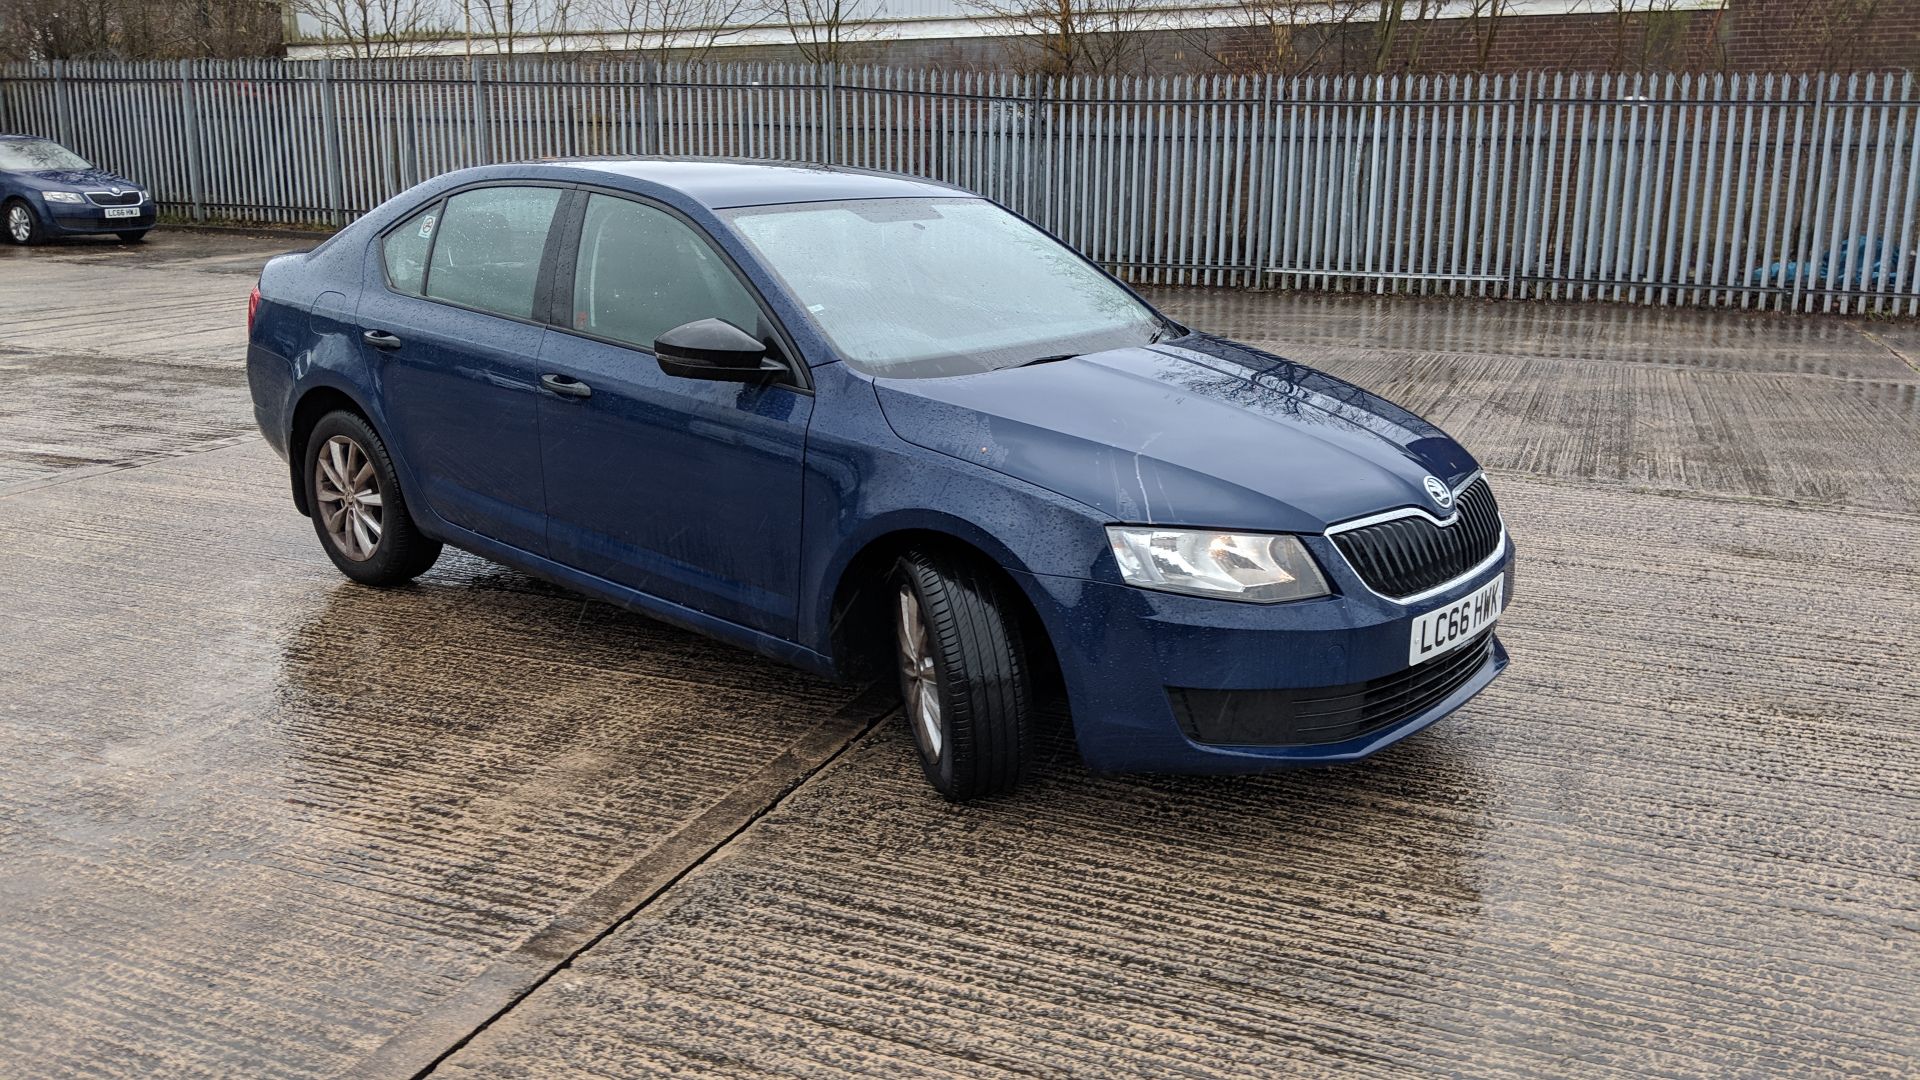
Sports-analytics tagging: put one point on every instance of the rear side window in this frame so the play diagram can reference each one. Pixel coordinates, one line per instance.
(405, 251)
(488, 252)
(642, 272)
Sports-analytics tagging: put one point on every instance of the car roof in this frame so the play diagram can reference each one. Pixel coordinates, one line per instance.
(719, 183)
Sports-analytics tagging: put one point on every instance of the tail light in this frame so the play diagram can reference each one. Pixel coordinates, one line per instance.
(253, 306)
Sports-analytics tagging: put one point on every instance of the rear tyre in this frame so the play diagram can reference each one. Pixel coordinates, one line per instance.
(965, 682)
(353, 496)
(19, 224)
(134, 236)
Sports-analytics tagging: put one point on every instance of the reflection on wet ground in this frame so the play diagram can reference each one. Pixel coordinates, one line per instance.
(256, 821)
(1684, 400)
(268, 817)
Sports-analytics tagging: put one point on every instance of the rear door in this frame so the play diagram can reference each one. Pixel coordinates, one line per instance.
(453, 335)
(682, 488)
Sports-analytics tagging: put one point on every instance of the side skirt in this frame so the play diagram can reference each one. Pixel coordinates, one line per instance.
(666, 611)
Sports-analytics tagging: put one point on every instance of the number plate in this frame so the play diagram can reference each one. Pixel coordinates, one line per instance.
(1441, 631)
(123, 211)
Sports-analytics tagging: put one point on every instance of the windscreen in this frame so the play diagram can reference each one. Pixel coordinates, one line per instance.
(38, 155)
(909, 288)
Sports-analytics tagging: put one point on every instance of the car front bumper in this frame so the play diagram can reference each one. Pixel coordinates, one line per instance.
(1159, 682)
(69, 219)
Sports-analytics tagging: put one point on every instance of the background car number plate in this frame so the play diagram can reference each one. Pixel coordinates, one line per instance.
(1445, 629)
(123, 211)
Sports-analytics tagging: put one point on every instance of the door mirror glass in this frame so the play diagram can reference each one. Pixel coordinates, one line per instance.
(714, 349)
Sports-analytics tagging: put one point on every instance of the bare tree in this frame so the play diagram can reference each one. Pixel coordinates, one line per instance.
(1843, 31)
(1483, 23)
(1404, 30)
(1074, 37)
(373, 28)
(819, 27)
(138, 29)
(685, 27)
(508, 22)
(1281, 37)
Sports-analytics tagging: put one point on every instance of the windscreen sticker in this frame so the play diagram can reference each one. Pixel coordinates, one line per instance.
(426, 226)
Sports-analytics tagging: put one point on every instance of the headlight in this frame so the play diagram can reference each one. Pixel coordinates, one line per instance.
(63, 196)
(1261, 567)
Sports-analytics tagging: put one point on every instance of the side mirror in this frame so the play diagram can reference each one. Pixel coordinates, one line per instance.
(714, 349)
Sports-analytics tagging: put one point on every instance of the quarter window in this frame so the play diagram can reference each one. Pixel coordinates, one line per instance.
(488, 252)
(642, 272)
(405, 251)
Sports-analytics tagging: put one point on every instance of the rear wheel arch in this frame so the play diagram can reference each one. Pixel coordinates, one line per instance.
(313, 405)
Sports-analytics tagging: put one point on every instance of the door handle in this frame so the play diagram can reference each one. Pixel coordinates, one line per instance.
(380, 339)
(566, 386)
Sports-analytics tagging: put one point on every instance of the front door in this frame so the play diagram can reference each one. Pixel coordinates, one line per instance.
(682, 488)
(453, 338)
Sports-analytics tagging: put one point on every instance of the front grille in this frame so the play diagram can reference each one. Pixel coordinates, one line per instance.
(1410, 555)
(1326, 714)
(108, 198)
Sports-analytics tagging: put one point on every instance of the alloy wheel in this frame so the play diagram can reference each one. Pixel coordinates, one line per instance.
(918, 685)
(19, 223)
(347, 489)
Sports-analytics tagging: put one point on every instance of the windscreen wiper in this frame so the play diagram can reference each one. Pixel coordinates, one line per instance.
(1048, 359)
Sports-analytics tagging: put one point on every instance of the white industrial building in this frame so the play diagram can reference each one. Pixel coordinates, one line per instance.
(484, 27)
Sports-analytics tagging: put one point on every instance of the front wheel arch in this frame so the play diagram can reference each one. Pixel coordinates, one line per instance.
(861, 629)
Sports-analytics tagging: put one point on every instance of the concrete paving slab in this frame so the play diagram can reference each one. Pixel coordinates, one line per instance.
(1679, 838)
(112, 354)
(261, 822)
(255, 821)
(1689, 338)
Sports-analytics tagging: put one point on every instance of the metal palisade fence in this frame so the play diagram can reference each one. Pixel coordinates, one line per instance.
(1761, 191)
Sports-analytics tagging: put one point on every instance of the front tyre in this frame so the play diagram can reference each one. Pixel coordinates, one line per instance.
(19, 224)
(965, 683)
(353, 496)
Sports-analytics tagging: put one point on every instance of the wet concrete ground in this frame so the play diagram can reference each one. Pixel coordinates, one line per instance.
(257, 821)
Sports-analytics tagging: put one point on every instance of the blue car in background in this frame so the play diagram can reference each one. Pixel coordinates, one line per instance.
(858, 422)
(47, 190)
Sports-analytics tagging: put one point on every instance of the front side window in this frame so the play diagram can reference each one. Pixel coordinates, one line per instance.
(910, 288)
(642, 272)
(405, 251)
(38, 155)
(489, 247)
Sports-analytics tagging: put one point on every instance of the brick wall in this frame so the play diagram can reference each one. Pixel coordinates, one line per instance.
(1747, 35)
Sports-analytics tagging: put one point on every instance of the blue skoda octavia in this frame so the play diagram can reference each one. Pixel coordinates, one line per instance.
(47, 190)
(856, 421)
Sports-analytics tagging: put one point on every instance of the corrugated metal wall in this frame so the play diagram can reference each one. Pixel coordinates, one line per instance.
(1784, 192)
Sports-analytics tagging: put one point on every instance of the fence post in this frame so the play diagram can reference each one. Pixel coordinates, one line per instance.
(1522, 224)
(650, 108)
(831, 145)
(1260, 195)
(8, 82)
(62, 108)
(482, 133)
(1803, 243)
(196, 184)
(330, 145)
(1036, 117)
